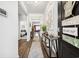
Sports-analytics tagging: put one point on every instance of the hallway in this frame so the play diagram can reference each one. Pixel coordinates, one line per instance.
(39, 29)
(35, 50)
(37, 17)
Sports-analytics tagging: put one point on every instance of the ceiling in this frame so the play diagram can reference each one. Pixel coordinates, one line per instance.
(36, 7)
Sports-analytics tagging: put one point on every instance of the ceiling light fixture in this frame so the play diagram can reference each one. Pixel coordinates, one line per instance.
(36, 1)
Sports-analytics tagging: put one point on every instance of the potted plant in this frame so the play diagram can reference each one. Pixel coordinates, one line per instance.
(44, 29)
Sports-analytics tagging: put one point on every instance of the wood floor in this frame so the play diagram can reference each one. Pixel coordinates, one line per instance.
(23, 48)
(36, 51)
(30, 49)
(33, 49)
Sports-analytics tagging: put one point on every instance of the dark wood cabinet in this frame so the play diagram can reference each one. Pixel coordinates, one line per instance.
(69, 51)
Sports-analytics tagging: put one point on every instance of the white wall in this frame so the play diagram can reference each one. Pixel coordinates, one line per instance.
(23, 21)
(28, 28)
(36, 18)
(9, 30)
(51, 17)
(24, 17)
(54, 23)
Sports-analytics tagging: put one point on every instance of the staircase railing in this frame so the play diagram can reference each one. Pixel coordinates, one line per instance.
(50, 42)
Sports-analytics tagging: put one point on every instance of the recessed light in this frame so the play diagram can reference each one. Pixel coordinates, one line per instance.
(36, 2)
